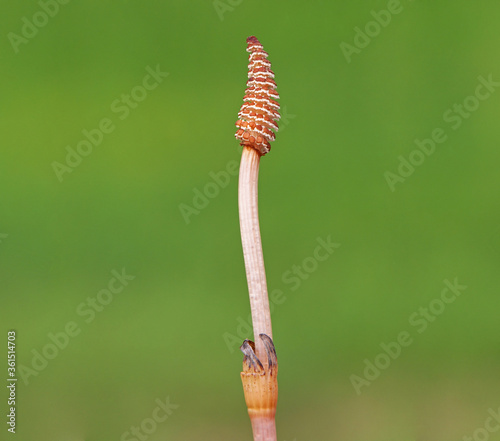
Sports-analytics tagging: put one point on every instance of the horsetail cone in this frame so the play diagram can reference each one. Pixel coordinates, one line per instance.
(258, 115)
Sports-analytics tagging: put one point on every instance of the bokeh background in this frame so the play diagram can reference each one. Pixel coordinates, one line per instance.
(173, 330)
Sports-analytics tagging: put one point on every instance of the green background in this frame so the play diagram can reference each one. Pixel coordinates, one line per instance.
(345, 125)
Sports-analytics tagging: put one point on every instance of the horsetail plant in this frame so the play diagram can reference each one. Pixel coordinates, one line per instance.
(257, 119)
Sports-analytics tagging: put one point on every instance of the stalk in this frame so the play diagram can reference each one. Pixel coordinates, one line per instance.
(258, 118)
(252, 247)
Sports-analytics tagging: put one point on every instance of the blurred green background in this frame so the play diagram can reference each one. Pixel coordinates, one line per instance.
(172, 331)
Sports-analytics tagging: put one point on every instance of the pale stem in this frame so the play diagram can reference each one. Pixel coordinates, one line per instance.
(264, 429)
(252, 249)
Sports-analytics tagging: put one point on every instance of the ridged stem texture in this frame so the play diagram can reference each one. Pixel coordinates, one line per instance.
(252, 247)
